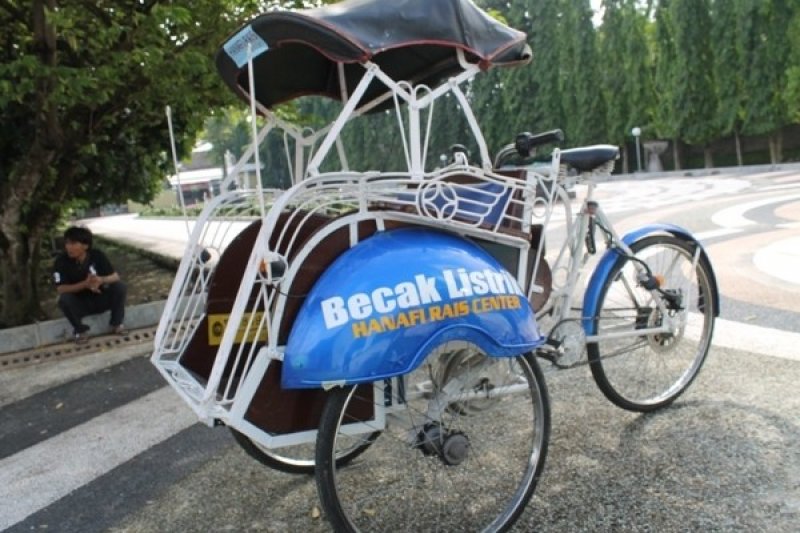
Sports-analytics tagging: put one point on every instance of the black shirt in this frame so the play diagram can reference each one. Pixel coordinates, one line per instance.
(67, 271)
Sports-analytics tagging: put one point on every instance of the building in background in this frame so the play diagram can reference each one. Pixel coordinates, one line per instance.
(198, 179)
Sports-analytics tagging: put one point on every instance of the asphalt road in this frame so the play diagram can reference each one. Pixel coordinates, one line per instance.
(98, 444)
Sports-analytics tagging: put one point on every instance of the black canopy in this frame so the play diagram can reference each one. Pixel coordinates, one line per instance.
(296, 53)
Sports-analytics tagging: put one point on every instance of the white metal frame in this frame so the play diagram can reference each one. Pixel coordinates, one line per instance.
(572, 259)
(469, 200)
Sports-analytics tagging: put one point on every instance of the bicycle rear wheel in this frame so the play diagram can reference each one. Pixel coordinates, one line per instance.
(649, 371)
(459, 452)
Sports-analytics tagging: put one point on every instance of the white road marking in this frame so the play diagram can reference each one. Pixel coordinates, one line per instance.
(46, 472)
(714, 233)
(780, 259)
(757, 339)
(733, 217)
(780, 187)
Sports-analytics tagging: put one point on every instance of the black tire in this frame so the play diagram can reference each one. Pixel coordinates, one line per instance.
(476, 468)
(293, 459)
(647, 372)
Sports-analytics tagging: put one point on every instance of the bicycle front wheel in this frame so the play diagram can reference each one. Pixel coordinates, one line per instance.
(644, 372)
(462, 448)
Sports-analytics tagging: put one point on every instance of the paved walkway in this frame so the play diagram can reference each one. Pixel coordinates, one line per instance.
(167, 237)
(134, 456)
(774, 257)
(779, 259)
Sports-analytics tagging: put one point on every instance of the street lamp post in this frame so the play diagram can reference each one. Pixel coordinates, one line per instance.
(636, 132)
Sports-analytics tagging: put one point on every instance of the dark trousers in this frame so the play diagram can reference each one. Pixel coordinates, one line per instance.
(77, 305)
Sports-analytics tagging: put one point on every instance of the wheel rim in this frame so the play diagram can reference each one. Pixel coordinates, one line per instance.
(475, 467)
(300, 456)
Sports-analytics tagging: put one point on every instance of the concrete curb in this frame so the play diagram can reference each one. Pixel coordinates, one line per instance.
(19, 382)
(33, 336)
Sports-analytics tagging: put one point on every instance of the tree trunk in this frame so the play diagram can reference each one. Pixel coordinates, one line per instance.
(676, 155)
(738, 141)
(772, 155)
(20, 230)
(708, 156)
(624, 158)
(20, 273)
(776, 147)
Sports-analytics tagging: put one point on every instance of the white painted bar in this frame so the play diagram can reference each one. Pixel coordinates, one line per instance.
(42, 474)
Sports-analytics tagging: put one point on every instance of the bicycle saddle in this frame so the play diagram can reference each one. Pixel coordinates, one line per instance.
(587, 158)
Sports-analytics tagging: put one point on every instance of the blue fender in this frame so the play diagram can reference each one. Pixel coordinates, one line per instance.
(591, 299)
(382, 305)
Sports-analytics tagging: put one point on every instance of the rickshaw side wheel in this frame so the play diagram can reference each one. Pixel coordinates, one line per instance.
(437, 468)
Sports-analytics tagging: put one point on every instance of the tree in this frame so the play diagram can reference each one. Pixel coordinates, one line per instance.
(665, 112)
(229, 131)
(693, 86)
(764, 49)
(614, 80)
(531, 95)
(83, 85)
(728, 69)
(627, 85)
(583, 101)
(498, 114)
(792, 92)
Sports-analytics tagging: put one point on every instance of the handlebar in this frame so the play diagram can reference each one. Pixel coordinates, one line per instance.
(524, 144)
(525, 141)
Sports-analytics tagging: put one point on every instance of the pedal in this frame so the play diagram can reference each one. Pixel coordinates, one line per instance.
(549, 351)
(565, 346)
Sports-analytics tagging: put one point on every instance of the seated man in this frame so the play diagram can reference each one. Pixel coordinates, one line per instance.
(87, 284)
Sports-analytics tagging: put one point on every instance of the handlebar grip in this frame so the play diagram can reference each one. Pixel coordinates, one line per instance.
(525, 141)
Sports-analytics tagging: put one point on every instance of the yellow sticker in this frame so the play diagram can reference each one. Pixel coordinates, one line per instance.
(218, 322)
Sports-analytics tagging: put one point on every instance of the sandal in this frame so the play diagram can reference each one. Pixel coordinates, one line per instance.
(119, 330)
(81, 338)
